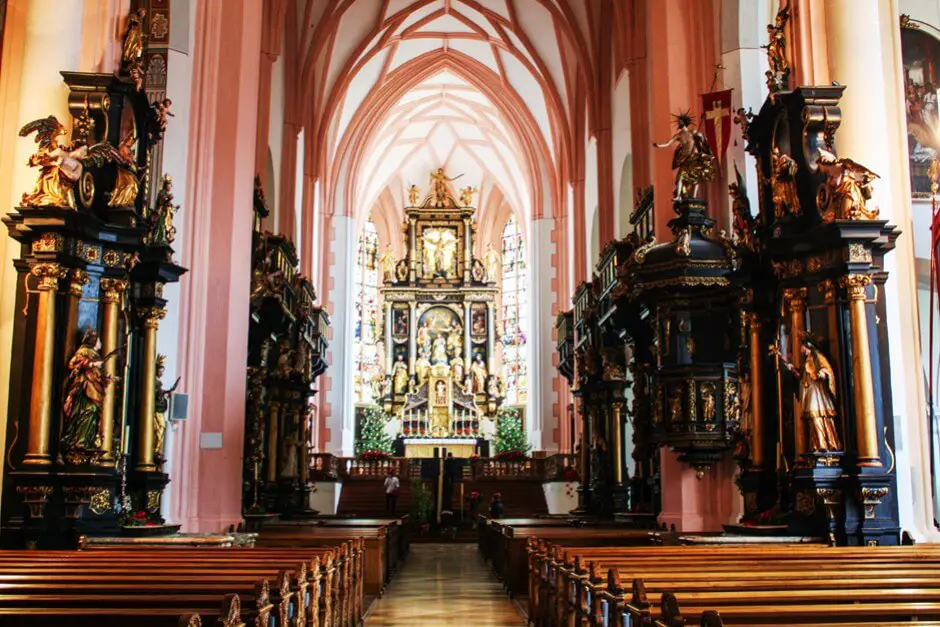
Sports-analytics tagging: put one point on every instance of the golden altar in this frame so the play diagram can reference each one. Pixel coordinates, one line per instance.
(424, 447)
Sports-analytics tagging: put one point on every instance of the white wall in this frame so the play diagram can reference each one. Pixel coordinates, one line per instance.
(340, 395)
(541, 422)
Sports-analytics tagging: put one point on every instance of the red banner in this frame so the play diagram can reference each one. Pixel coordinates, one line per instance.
(717, 121)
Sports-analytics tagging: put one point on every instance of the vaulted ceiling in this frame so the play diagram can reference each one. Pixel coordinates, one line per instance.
(488, 88)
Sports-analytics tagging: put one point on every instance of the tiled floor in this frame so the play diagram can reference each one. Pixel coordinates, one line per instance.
(444, 584)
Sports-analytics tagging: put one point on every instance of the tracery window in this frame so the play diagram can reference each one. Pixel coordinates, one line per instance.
(514, 313)
(366, 304)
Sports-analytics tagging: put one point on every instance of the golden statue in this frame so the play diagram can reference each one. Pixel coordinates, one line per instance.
(478, 372)
(742, 449)
(783, 183)
(60, 165)
(423, 337)
(439, 195)
(847, 189)
(466, 195)
(127, 185)
(388, 262)
(708, 401)
(413, 194)
(84, 396)
(456, 368)
(162, 231)
(161, 405)
(400, 375)
(454, 340)
(422, 367)
(675, 405)
(134, 37)
(693, 160)
(742, 221)
(777, 50)
(817, 397)
(439, 350)
(491, 259)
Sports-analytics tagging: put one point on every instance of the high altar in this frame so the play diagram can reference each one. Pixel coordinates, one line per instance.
(440, 321)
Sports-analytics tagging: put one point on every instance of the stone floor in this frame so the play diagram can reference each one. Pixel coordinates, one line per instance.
(444, 584)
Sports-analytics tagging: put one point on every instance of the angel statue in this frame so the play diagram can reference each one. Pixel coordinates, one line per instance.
(161, 405)
(742, 220)
(847, 189)
(84, 397)
(127, 184)
(162, 113)
(134, 36)
(466, 195)
(693, 160)
(413, 194)
(162, 231)
(777, 50)
(783, 184)
(817, 396)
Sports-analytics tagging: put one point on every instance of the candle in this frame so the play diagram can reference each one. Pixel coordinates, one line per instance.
(127, 438)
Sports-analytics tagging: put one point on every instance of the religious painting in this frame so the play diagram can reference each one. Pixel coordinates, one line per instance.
(440, 393)
(439, 336)
(920, 52)
(478, 320)
(399, 322)
(439, 246)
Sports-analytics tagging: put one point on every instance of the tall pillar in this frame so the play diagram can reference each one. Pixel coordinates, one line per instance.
(388, 338)
(111, 291)
(795, 299)
(412, 336)
(866, 425)
(214, 309)
(757, 384)
(274, 416)
(150, 322)
(40, 402)
(616, 436)
(490, 338)
(466, 336)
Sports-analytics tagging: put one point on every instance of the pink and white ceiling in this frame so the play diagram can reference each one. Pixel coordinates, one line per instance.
(491, 89)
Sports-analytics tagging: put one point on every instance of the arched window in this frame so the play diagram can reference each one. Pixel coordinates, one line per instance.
(366, 303)
(514, 314)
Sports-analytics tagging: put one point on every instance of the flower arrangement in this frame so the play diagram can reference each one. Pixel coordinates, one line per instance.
(570, 473)
(473, 498)
(373, 456)
(140, 518)
(772, 516)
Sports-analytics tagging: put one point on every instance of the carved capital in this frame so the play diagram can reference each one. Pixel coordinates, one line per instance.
(754, 322)
(35, 498)
(795, 297)
(75, 498)
(855, 285)
(111, 290)
(48, 274)
(77, 280)
(151, 317)
(828, 289)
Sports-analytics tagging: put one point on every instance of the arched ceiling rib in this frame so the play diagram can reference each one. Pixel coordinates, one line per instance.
(538, 50)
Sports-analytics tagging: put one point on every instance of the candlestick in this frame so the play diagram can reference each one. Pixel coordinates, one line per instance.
(127, 437)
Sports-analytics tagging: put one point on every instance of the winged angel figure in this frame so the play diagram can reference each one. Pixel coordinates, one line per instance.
(847, 189)
(61, 164)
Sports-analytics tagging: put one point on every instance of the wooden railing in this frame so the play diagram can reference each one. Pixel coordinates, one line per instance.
(328, 467)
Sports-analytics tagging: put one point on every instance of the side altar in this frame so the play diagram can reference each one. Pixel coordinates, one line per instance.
(439, 321)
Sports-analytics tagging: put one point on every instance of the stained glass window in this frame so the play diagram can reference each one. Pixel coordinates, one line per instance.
(514, 314)
(366, 311)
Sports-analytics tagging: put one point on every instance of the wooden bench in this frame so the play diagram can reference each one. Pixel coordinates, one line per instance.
(155, 587)
(585, 586)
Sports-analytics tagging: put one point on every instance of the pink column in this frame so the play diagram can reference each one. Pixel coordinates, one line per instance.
(207, 475)
(605, 149)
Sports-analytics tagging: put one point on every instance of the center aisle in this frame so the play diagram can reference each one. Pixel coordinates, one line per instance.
(444, 584)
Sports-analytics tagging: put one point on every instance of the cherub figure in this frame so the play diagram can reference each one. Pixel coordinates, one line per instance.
(693, 160)
(466, 195)
(847, 189)
(413, 194)
(162, 111)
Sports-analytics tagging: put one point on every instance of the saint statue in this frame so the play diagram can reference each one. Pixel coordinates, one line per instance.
(491, 259)
(400, 375)
(777, 50)
(817, 397)
(454, 340)
(84, 395)
(675, 405)
(439, 350)
(478, 372)
(708, 401)
(285, 359)
(133, 47)
(423, 337)
(439, 193)
(456, 368)
(161, 405)
(388, 262)
(742, 449)
(783, 183)
(742, 220)
(162, 231)
(693, 160)
(127, 185)
(422, 366)
(289, 451)
(440, 393)
(847, 189)
(413, 194)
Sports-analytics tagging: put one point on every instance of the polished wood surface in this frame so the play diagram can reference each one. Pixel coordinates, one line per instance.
(444, 584)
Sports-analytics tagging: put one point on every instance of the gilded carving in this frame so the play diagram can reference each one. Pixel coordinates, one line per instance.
(827, 289)
(111, 258)
(847, 190)
(871, 498)
(151, 317)
(48, 243)
(693, 406)
(153, 500)
(35, 498)
(683, 243)
(858, 252)
(805, 502)
(100, 501)
(48, 274)
(708, 401)
(74, 498)
(855, 285)
(77, 280)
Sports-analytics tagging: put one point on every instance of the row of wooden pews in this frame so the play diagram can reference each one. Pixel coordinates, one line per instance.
(148, 587)
(753, 585)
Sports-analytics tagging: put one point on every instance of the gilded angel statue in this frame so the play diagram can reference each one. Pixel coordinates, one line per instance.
(466, 195)
(777, 43)
(439, 181)
(693, 160)
(60, 164)
(847, 189)
(134, 37)
(413, 194)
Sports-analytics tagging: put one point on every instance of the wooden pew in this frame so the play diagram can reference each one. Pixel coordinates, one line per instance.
(193, 580)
